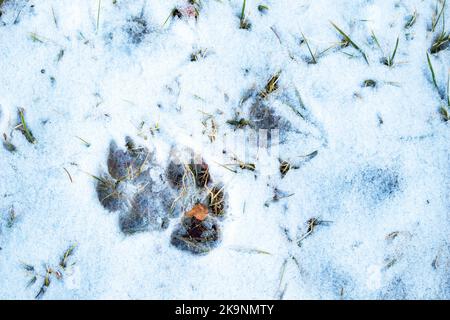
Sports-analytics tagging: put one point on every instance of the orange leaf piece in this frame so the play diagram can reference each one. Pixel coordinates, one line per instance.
(199, 212)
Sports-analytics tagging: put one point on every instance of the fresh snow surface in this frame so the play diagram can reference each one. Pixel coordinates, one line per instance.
(102, 71)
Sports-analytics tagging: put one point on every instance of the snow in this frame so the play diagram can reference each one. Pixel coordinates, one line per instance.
(379, 183)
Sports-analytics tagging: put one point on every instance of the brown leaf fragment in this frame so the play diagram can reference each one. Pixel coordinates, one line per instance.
(199, 212)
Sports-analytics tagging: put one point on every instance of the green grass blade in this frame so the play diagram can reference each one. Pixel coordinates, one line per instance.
(350, 41)
(28, 135)
(309, 49)
(98, 15)
(439, 17)
(433, 75)
(243, 10)
(374, 37)
(394, 53)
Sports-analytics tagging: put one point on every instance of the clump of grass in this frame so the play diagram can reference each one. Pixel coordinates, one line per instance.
(278, 195)
(11, 218)
(192, 10)
(312, 225)
(442, 40)
(263, 8)
(387, 60)
(8, 145)
(286, 166)
(369, 83)
(65, 257)
(247, 166)
(239, 123)
(198, 54)
(240, 164)
(243, 165)
(1, 4)
(50, 273)
(109, 193)
(411, 20)
(243, 21)
(347, 41)
(175, 13)
(216, 201)
(36, 38)
(210, 127)
(23, 127)
(445, 114)
(197, 4)
(271, 86)
(200, 172)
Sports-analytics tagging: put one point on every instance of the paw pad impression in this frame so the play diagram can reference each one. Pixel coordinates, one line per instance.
(134, 187)
(146, 197)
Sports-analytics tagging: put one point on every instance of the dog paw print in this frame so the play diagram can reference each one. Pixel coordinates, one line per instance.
(134, 187)
(147, 196)
(203, 204)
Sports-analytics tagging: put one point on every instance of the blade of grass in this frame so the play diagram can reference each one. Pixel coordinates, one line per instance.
(350, 41)
(28, 135)
(244, 24)
(98, 15)
(440, 42)
(412, 20)
(433, 28)
(374, 37)
(314, 61)
(433, 75)
(87, 144)
(391, 60)
(243, 11)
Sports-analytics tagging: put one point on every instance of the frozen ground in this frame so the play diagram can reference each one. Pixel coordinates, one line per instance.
(88, 72)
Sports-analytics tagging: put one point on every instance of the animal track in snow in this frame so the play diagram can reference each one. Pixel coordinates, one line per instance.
(135, 188)
(146, 196)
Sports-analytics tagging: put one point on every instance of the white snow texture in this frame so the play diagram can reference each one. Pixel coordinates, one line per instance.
(87, 72)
